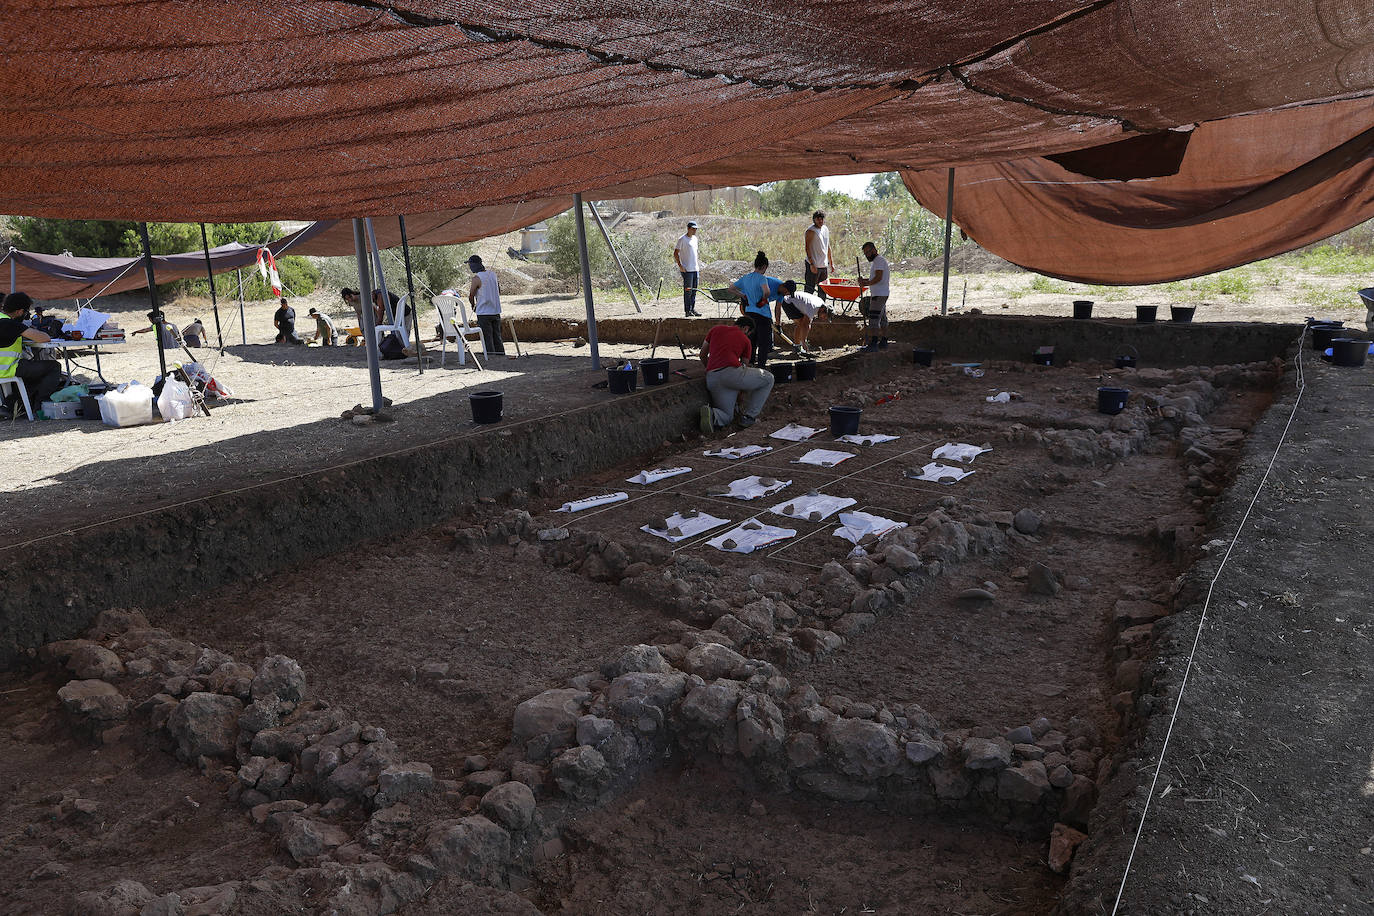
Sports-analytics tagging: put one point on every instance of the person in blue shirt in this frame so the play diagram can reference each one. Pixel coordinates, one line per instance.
(757, 292)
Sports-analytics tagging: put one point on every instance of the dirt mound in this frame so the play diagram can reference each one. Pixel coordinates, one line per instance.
(969, 258)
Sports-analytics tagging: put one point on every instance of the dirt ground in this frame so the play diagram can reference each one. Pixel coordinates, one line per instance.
(370, 625)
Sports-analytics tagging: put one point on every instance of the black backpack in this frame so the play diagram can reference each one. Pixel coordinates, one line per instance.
(392, 347)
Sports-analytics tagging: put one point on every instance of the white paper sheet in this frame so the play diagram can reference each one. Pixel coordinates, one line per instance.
(681, 527)
(653, 475)
(794, 432)
(1000, 397)
(959, 451)
(940, 473)
(88, 321)
(802, 507)
(752, 487)
(825, 458)
(873, 439)
(733, 453)
(588, 502)
(750, 536)
(855, 526)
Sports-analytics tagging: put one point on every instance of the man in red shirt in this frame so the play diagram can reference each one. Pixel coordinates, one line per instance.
(726, 353)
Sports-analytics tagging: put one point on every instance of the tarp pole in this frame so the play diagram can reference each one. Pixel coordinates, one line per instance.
(243, 322)
(949, 229)
(209, 272)
(156, 314)
(616, 255)
(374, 361)
(586, 281)
(381, 277)
(410, 291)
(12, 272)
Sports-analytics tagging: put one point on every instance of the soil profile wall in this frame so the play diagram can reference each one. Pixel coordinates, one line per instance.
(981, 337)
(168, 555)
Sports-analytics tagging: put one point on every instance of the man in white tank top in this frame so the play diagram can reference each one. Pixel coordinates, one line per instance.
(819, 261)
(484, 295)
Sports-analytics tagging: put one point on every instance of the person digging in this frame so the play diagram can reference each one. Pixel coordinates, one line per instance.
(730, 379)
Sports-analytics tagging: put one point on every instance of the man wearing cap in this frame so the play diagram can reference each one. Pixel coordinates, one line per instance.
(685, 254)
(324, 329)
(484, 295)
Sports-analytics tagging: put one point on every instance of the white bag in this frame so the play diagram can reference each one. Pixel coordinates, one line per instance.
(174, 403)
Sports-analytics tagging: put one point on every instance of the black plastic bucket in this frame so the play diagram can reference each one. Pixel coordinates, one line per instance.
(1125, 362)
(806, 370)
(1367, 297)
(1182, 314)
(1350, 352)
(1323, 323)
(782, 372)
(486, 406)
(1146, 314)
(923, 356)
(1043, 359)
(655, 371)
(1322, 335)
(1112, 400)
(844, 421)
(622, 381)
(1082, 308)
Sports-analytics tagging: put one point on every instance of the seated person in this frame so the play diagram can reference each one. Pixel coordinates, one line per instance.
(801, 307)
(726, 351)
(193, 333)
(324, 329)
(40, 377)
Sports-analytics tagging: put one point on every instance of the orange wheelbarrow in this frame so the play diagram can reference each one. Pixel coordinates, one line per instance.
(840, 294)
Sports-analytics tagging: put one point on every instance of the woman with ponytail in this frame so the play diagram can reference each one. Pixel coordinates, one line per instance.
(757, 291)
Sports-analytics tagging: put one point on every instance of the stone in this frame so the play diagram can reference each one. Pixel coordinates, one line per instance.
(114, 621)
(251, 771)
(94, 703)
(92, 660)
(923, 748)
(852, 625)
(950, 782)
(581, 773)
(636, 658)
(553, 534)
(275, 775)
(1026, 521)
(545, 723)
(361, 771)
(261, 715)
(205, 725)
(710, 706)
(306, 839)
(166, 905)
(402, 780)
(1128, 675)
(902, 561)
(474, 762)
(976, 594)
(1079, 799)
(758, 615)
(803, 750)
(1021, 735)
(593, 730)
(817, 642)
(1024, 784)
(1061, 777)
(48, 871)
(1126, 614)
(123, 898)
(1040, 726)
(641, 699)
(262, 814)
(760, 731)
(483, 781)
(1040, 580)
(711, 661)
(1064, 841)
(511, 805)
(863, 748)
(281, 677)
(986, 753)
(1028, 751)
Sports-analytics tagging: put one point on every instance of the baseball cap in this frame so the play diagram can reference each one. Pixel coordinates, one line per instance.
(691, 224)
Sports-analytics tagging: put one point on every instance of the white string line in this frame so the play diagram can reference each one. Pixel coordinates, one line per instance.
(1202, 621)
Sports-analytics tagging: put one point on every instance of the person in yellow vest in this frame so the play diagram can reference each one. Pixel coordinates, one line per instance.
(40, 377)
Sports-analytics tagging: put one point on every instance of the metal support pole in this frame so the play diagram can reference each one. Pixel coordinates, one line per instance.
(243, 322)
(374, 359)
(616, 255)
(12, 271)
(381, 277)
(949, 229)
(586, 281)
(155, 316)
(209, 272)
(410, 291)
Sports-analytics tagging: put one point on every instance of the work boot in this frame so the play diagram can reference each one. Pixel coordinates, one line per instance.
(705, 420)
(882, 343)
(870, 347)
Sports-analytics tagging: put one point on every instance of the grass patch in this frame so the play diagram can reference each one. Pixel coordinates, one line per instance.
(1330, 260)
(1330, 298)
(1043, 284)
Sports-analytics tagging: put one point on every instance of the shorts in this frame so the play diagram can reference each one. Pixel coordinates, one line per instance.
(791, 311)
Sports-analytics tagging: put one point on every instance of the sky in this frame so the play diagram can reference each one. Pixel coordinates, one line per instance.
(853, 185)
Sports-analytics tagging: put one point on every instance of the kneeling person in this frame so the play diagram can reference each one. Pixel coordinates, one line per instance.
(726, 353)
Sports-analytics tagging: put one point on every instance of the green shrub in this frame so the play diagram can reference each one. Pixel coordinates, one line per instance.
(564, 256)
(796, 196)
(1042, 284)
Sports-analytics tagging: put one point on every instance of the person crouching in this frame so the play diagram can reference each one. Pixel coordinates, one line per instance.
(730, 378)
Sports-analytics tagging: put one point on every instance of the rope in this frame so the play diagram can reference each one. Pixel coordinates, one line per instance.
(1202, 620)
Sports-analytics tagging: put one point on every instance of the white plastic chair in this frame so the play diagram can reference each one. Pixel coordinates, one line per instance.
(400, 326)
(23, 393)
(452, 330)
